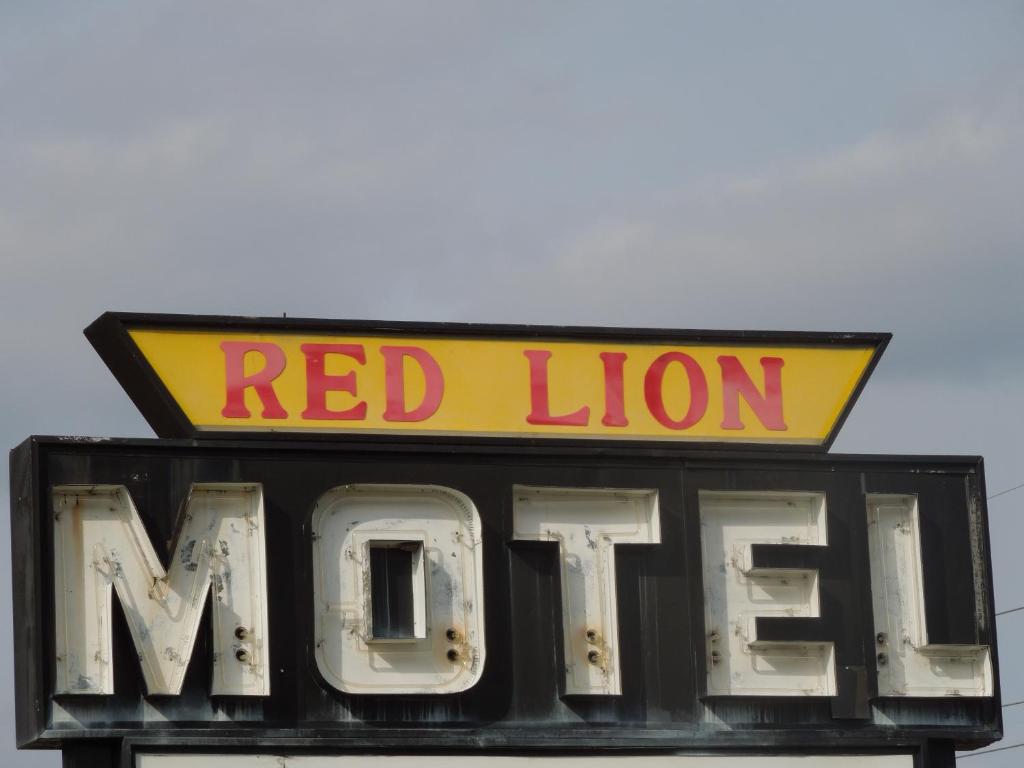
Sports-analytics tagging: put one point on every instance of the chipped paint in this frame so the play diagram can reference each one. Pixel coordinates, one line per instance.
(447, 588)
(912, 665)
(163, 607)
(588, 524)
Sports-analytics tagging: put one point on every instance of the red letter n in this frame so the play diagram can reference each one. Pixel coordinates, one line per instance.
(736, 382)
(236, 382)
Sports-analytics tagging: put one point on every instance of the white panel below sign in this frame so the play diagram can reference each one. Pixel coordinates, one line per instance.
(504, 761)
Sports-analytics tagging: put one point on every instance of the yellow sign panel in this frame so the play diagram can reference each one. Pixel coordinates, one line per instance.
(262, 379)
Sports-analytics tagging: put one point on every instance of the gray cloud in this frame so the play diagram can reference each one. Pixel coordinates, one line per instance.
(708, 165)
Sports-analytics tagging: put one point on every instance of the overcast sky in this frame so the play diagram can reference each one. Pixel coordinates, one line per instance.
(806, 166)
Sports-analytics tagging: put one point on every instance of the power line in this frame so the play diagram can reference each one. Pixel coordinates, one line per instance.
(1003, 493)
(1001, 613)
(989, 751)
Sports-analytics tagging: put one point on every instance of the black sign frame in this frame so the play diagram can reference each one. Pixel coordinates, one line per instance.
(295, 473)
(109, 336)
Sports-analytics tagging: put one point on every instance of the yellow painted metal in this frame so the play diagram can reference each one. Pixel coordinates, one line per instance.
(487, 386)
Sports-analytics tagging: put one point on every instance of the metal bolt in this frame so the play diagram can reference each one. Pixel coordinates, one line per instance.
(453, 655)
(883, 659)
(242, 655)
(594, 657)
(241, 633)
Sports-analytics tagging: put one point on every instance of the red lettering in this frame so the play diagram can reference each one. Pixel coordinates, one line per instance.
(614, 399)
(236, 382)
(540, 407)
(319, 382)
(653, 394)
(394, 384)
(736, 382)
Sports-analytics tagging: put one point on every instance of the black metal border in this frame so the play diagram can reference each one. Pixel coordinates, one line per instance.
(109, 336)
(33, 608)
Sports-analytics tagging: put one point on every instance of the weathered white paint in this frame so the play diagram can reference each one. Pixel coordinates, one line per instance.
(100, 544)
(505, 761)
(735, 593)
(908, 665)
(587, 524)
(449, 657)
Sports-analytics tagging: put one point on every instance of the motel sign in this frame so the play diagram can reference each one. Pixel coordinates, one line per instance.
(359, 542)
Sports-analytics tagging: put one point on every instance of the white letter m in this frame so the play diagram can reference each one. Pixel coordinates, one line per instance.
(99, 542)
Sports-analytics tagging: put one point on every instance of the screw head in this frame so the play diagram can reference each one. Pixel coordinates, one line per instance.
(453, 655)
(883, 659)
(591, 636)
(241, 633)
(242, 655)
(452, 634)
(881, 638)
(594, 657)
